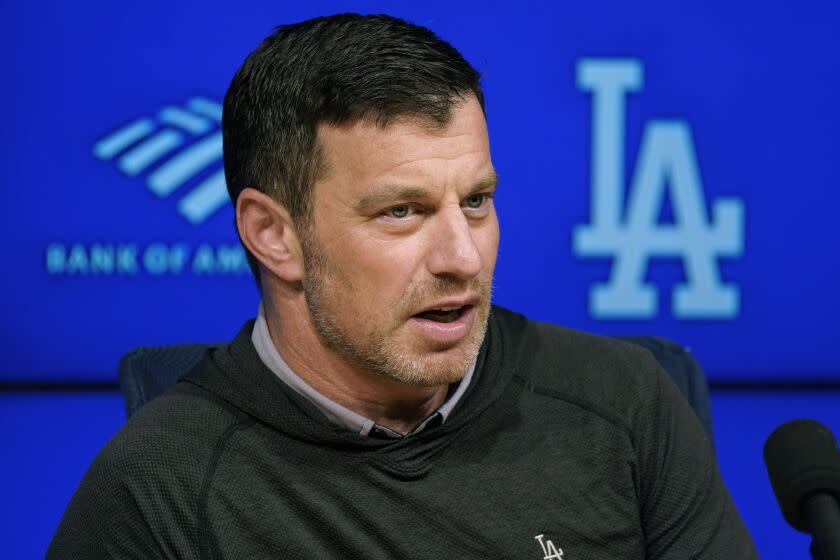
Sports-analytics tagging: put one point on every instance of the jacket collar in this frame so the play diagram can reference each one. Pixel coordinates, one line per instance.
(236, 374)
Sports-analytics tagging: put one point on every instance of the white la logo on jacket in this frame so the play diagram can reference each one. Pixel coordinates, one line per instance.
(550, 552)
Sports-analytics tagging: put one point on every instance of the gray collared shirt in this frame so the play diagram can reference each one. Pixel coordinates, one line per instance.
(337, 413)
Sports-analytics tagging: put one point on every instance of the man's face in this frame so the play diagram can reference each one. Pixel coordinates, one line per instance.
(400, 252)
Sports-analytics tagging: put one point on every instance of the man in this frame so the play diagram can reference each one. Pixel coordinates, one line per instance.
(379, 407)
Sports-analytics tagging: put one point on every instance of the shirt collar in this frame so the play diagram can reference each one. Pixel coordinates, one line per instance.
(335, 412)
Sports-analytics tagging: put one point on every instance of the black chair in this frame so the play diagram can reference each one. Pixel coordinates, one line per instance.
(148, 371)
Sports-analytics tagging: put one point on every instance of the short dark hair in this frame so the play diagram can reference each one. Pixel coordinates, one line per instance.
(336, 70)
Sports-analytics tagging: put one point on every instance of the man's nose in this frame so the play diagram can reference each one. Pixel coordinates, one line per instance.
(453, 250)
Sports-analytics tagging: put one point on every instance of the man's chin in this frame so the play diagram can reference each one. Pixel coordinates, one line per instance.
(429, 376)
(434, 363)
(433, 367)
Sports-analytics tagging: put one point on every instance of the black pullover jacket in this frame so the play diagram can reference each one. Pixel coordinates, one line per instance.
(566, 446)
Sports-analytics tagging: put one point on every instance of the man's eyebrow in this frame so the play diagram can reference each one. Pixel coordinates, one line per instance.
(488, 183)
(390, 194)
(412, 193)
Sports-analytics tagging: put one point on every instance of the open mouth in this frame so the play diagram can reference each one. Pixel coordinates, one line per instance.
(444, 315)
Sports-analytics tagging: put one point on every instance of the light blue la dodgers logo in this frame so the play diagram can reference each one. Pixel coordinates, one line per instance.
(666, 161)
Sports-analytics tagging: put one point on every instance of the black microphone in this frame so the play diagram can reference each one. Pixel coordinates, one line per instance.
(803, 462)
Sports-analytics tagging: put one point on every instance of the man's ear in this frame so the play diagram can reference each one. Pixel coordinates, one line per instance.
(267, 230)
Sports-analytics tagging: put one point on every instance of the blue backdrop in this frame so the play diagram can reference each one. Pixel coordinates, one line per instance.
(666, 169)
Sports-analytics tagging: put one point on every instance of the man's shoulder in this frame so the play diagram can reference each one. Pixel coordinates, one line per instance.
(144, 488)
(603, 373)
(172, 438)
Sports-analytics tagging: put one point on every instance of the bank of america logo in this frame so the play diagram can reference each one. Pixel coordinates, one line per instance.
(170, 150)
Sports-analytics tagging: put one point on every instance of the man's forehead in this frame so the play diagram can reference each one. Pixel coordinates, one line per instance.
(366, 148)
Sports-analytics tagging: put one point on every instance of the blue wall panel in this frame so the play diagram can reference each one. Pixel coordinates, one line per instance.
(49, 441)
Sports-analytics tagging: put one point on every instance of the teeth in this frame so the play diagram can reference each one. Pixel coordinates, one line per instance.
(447, 308)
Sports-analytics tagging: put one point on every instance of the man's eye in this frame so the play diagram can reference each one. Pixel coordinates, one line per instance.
(475, 200)
(400, 211)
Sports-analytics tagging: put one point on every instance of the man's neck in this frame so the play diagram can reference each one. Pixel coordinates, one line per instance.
(389, 403)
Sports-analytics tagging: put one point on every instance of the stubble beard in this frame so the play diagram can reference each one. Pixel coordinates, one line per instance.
(376, 349)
